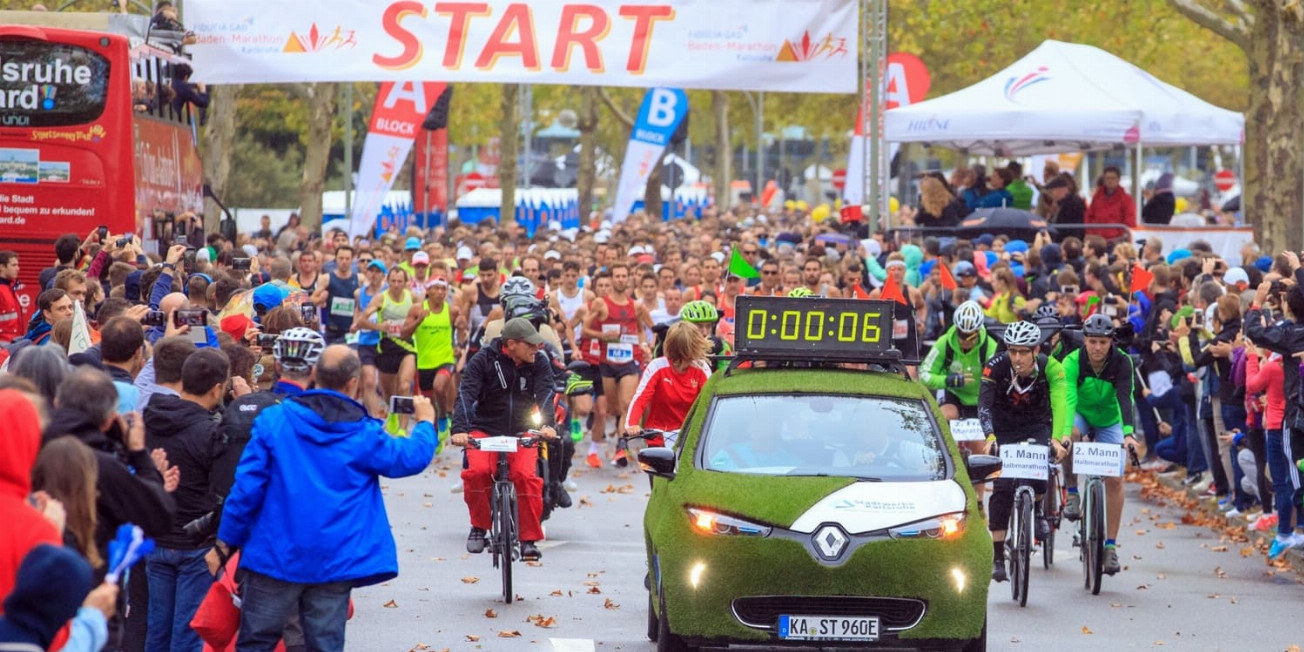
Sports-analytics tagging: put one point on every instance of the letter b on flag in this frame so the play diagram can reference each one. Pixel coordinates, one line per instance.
(661, 113)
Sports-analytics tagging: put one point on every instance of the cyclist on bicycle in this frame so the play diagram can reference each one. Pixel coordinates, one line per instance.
(670, 384)
(704, 315)
(1058, 341)
(1100, 402)
(1021, 397)
(953, 365)
(504, 387)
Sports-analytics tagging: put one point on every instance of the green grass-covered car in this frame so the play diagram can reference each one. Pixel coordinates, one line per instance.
(815, 506)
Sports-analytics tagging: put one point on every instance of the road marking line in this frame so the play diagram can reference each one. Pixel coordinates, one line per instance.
(572, 644)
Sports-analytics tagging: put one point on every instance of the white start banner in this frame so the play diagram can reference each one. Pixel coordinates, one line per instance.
(772, 45)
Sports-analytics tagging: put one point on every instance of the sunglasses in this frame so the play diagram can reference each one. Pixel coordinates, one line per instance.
(771, 273)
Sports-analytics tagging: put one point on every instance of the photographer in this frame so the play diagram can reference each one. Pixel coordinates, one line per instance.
(185, 426)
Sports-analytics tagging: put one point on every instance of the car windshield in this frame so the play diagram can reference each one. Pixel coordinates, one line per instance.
(867, 437)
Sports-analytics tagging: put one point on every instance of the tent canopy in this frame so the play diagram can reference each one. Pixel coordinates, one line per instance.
(1064, 97)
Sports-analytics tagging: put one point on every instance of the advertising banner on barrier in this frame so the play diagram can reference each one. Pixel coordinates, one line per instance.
(772, 45)
(395, 122)
(662, 111)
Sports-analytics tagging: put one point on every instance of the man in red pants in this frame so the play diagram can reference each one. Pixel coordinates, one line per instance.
(504, 392)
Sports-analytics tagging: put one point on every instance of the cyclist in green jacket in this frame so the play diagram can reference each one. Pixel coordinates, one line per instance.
(956, 361)
(1100, 400)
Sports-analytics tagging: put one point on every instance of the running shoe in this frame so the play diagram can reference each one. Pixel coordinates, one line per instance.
(593, 461)
(1265, 523)
(621, 460)
(1111, 565)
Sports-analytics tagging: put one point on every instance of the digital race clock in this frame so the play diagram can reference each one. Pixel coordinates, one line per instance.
(812, 328)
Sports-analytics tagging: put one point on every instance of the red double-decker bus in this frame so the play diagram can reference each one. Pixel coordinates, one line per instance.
(78, 148)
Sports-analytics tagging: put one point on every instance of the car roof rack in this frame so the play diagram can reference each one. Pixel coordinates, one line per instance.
(883, 361)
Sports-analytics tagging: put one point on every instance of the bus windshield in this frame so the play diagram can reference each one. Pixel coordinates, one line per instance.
(50, 84)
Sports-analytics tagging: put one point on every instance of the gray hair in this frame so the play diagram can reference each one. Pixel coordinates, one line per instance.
(45, 366)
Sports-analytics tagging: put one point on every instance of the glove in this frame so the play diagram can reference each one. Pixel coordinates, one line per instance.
(955, 381)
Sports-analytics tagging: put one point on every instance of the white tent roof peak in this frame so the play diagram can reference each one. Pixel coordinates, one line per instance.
(1064, 97)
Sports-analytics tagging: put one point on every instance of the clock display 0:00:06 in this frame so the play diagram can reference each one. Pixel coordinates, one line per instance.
(814, 326)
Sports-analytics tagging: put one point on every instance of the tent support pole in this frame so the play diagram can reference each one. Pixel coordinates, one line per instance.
(1136, 182)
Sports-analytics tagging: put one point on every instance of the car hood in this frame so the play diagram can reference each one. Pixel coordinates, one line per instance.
(869, 506)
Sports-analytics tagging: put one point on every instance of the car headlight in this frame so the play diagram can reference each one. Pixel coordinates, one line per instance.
(946, 526)
(707, 522)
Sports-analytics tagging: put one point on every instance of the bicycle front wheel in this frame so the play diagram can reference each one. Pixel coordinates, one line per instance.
(1097, 497)
(1023, 552)
(506, 543)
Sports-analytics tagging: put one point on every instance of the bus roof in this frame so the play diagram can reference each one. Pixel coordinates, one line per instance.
(133, 26)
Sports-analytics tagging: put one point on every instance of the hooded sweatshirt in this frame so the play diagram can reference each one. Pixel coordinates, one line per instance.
(24, 528)
(188, 433)
(306, 506)
(51, 585)
(914, 258)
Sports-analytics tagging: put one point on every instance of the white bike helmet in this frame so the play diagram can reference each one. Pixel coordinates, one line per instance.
(516, 286)
(298, 349)
(1022, 333)
(969, 317)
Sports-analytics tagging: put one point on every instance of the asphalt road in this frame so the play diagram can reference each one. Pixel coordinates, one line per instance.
(1183, 588)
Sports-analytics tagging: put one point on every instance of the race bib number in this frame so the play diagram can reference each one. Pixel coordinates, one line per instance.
(620, 353)
(351, 338)
(629, 339)
(394, 329)
(1025, 461)
(900, 329)
(967, 430)
(1104, 460)
(498, 444)
(342, 306)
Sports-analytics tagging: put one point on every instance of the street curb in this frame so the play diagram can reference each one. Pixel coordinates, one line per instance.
(1209, 505)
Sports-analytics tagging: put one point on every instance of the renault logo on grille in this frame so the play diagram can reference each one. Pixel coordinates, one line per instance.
(830, 542)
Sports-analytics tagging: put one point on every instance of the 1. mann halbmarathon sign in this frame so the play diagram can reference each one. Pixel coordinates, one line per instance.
(779, 45)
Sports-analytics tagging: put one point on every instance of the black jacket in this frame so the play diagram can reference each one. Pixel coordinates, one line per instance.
(1227, 389)
(129, 487)
(1159, 209)
(236, 431)
(188, 433)
(951, 215)
(498, 397)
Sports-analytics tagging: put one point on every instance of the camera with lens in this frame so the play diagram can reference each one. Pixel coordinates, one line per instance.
(204, 527)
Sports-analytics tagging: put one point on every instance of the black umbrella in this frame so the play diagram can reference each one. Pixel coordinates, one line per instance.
(1015, 223)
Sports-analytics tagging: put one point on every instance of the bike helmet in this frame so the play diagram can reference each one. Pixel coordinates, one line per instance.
(1098, 325)
(516, 286)
(298, 349)
(969, 317)
(699, 312)
(801, 293)
(1045, 310)
(1022, 333)
(528, 307)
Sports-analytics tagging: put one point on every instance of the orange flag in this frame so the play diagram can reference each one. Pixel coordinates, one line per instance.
(1141, 278)
(948, 281)
(891, 291)
(858, 292)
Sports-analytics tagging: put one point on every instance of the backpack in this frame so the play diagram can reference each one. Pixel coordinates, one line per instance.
(232, 435)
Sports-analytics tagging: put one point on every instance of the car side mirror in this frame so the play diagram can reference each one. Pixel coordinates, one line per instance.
(983, 468)
(659, 462)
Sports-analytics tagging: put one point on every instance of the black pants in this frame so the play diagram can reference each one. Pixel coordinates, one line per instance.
(1222, 483)
(136, 624)
(1258, 446)
(559, 456)
(1002, 501)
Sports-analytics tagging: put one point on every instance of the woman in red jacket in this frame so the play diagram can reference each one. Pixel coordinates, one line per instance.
(1111, 205)
(1265, 375)
(670, 383)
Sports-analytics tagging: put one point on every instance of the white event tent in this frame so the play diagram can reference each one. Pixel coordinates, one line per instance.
(1064, 97)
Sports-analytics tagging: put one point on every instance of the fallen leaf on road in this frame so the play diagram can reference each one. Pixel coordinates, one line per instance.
(1161, 576)
(421, 646)
(1014, 639)
(471, 638)
(610, 605)
(622, 475)
(509, 633)
(1214, 596)
(1219, 548)
(625, 489)
(556, 593)
(490, 613)
(1293, 648)
(1141, 533)
(1159, 545)
(1222, 574)
(593, 590)
(592, 574)
(1233, 599)
(470, 580)
(1168, 525)
(1087, 630)
(611, 489)
(591, 582)
(534, 564)
(585, 502)
(1143, 587)
(1116, 604)
(391, 605)
(427, 504)
(443, 474)
(546, 622)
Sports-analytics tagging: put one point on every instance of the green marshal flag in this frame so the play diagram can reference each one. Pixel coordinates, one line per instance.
(738, 266)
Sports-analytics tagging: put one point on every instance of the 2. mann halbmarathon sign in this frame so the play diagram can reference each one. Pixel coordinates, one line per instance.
(779, 45)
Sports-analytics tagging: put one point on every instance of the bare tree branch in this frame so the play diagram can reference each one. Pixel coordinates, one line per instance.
(615, 110)
(1242, 13)
(1205, 17)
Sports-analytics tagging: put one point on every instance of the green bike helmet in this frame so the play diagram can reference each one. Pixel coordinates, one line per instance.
(801, 293)
(699, 312)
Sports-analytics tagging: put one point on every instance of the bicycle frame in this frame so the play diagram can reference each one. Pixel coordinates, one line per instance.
(504, 542)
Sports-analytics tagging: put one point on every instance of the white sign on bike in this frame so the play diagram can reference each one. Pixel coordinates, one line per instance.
(498, 444)
(967, 430)
(1105, 460)
(1025, 461)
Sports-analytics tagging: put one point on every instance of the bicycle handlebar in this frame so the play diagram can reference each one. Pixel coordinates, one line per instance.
(623, 442)
(525, 440)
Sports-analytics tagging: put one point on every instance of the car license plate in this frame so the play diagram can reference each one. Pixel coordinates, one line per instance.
(828, 628)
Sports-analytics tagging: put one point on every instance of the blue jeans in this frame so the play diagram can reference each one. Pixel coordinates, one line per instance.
(178, 582)
(1173, 448)
(1282, 487)
(269, 602)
